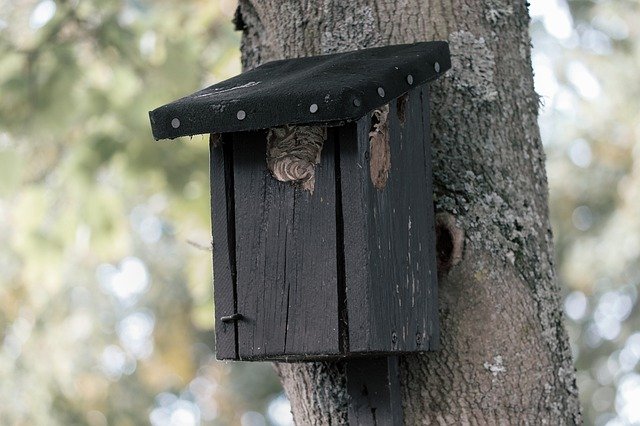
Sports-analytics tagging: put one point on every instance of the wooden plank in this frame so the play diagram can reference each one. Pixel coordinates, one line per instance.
(263, 215)
(389, 276)
(354, 176)
(223, 239)
(286, 259)
(373, 385)
(312, 326)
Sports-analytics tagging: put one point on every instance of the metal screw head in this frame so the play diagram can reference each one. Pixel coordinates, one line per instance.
(436, 67)
(381, 92)
(313, 108)
(175, 123)
(241, 115)
(356, 102)
(410, 79)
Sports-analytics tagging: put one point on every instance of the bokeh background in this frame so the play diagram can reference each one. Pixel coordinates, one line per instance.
(106, 308)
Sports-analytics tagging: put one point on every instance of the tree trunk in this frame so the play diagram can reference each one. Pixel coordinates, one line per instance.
(505, 357)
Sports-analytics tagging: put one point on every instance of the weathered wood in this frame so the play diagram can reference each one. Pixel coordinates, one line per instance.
(373, 385)
(286, 258)
(312, 272)
(262, 211)
(353, 168)
(389, 237)
(222, 222)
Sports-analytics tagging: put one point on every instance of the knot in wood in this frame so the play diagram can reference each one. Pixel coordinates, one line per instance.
(293, 153)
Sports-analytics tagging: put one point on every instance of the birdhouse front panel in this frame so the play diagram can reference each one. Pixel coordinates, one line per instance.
(321, 199)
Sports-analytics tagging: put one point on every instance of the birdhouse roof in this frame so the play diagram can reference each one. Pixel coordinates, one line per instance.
(327, 89)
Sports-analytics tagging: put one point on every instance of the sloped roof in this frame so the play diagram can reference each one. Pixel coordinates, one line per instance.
(326, 89)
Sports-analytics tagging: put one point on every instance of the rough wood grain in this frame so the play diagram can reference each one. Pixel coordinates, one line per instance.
(222, 211)
(286, 258)
(499, 304)
(263, 214)
(312, 261)
(389, 237)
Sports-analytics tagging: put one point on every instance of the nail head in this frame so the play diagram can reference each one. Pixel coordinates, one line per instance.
(175, 123)
(381, 92)
(313, 108)
(241, 115)
(410, 79)
(356, 102)
(436, 66)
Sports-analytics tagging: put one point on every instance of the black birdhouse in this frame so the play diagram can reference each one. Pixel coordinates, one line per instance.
(321, 197)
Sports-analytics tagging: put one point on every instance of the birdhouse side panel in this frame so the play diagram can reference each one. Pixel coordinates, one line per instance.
(222, 224)
(286, 258)
(390, 239)
(402, 219)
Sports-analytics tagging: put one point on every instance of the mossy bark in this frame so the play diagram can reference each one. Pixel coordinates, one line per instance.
(505, 356)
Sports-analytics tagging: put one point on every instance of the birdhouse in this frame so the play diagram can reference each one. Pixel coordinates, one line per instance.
(321, 201)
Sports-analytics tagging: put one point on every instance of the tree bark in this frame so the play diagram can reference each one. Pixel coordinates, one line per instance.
(505, 356)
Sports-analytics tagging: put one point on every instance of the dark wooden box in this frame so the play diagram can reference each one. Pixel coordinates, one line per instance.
(350, 269)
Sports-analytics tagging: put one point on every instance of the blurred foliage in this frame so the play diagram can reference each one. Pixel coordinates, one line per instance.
(105, 298)
(105, 308)
(586, 61)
